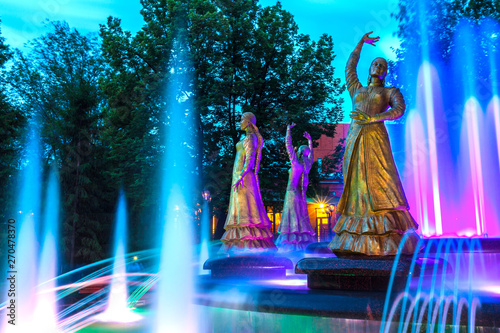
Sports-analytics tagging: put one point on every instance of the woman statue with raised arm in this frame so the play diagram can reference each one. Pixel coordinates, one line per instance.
(295, 228)
(373, 207)
(247, 224)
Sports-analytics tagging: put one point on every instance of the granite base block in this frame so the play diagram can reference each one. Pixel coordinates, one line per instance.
(249, 267)
(355, 274)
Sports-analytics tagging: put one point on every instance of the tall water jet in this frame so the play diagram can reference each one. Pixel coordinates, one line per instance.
(494, 114)
(416, 161)
(458, 146)
(24, 270)
(174, 308)
(117, 309)
(472, 147)
(429, 79)
(46, 306)
(472, 124)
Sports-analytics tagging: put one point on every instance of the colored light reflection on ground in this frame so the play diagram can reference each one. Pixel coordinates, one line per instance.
(493, 289)
(290, 282)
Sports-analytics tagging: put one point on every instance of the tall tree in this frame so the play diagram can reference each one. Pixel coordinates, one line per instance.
(241, 57)
(136, 84)
(12, 122)
(58, 83)
(250, 58)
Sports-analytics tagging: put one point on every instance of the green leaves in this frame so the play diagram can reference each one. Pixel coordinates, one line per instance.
(57, 83)
(242, 57)
(105, 109)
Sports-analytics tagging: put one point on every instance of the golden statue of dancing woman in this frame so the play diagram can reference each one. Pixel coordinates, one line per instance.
(373, 207)
(247, 224)
(295, 227)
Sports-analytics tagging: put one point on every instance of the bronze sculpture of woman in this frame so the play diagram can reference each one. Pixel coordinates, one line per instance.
(295, 227)
(247, 224)
(373, 207)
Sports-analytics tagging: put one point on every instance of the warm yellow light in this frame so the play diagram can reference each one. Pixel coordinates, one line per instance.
(321, 205)
(135, 257)
(213, 225)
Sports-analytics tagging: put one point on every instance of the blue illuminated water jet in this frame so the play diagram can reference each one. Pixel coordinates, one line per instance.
(26, 250)
(117, 309)
(174, 308)
(46, 307)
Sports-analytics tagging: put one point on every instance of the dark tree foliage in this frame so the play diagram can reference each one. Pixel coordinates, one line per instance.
(260, 63)
(243, 58)
(105, 110)
(140, 104)
(57, 84)
(12, 121)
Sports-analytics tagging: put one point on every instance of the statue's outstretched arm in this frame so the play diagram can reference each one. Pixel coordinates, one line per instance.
(289, 145)
(351, 75)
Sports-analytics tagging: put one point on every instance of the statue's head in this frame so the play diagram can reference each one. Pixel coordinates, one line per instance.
(246, 119)
(378, 69)
(303, 151)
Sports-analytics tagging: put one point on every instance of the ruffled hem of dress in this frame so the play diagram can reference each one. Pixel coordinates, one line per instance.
(380, 223)
(239, 240)
(373, 245)
(241, 233)
(247, 224)
(302, 226)
(247, 245)
(290, 242)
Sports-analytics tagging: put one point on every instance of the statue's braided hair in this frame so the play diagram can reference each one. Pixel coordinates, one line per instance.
(253, 120)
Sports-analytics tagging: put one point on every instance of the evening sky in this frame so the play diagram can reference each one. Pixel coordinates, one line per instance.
(345, 21)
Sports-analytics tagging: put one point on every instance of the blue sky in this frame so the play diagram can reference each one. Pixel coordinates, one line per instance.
(346, 21)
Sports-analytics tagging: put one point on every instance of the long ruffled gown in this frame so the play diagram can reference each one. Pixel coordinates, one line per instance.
(295, 227)
(374, 210)
(247, 224)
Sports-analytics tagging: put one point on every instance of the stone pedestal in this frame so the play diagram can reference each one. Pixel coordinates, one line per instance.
(356, 273)
(249, 267)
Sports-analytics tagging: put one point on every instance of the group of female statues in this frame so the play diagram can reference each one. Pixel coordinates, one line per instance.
(374, 213)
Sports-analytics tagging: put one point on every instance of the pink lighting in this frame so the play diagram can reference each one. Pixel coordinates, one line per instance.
(495, 289)
(494, 112)
(473, 112)
(431, 94)
(418, 158)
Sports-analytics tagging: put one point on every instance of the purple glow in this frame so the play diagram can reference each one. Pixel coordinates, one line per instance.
(474, 112)
(432, 97)
(494, 112)
(294, 283)
(494, 289)
(453, 143)
(414, 131)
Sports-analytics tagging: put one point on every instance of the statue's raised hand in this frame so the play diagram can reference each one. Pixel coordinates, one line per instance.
(290, 126)
(307, 136)
(369, 40)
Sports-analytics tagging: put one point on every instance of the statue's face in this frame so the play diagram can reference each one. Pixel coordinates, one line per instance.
(379, 68)
(244, 123)
(304, 151)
